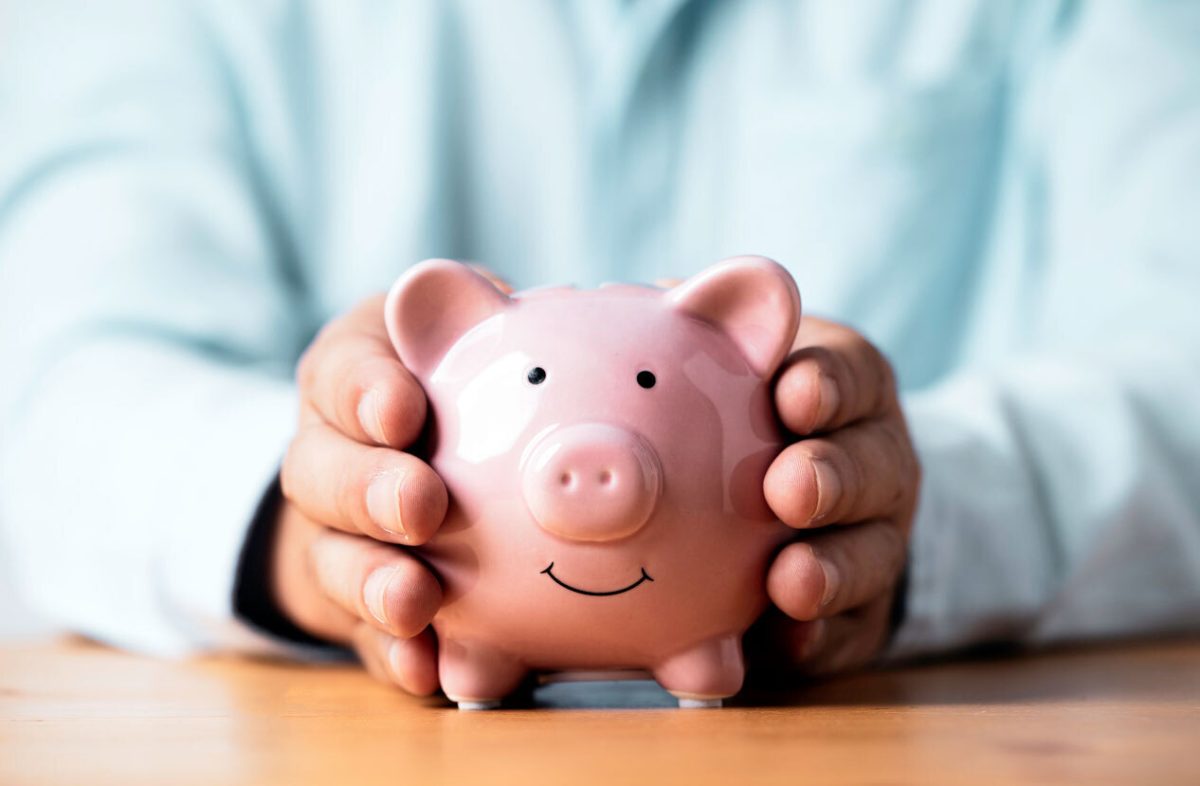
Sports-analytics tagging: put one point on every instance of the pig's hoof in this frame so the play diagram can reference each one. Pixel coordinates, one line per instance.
(486, 704)
(699, 704)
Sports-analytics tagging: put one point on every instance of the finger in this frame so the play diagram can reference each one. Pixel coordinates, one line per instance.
(381, 585)
(833, 377)
(836, 570)
(409, 663)
(292, 583)
(859, 472)
(848, 641)
(367, 644)
(352, 378)
(380, 492)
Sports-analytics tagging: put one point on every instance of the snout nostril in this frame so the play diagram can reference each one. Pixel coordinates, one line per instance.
(590, 482)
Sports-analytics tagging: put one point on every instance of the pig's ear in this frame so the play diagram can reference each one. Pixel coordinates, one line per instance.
(752, 300)
(432, 305)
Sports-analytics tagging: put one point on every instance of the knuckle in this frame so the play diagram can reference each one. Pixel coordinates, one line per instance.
(882, 378)
(860, 369)
(872, 358)
(896, 452)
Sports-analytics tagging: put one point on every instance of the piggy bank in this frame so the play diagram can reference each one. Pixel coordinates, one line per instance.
(604, 452)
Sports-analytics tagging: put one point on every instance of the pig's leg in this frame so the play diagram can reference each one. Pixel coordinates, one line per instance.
(705, 674)
(476, 676)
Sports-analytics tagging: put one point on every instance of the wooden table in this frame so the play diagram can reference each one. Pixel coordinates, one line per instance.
(77, 713)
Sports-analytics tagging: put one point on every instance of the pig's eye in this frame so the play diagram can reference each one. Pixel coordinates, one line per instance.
(536, 375)
(646, 379)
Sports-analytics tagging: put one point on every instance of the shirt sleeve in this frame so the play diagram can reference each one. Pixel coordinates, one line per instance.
(149, 318)
(1062, 491)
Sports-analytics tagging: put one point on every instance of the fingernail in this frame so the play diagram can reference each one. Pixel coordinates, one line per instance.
(370, 415)
(828, 403)
(383, 504)
(375, 592)
(832, 581)
(829, 488)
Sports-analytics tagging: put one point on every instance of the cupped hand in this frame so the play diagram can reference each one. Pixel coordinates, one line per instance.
(353, 499)
(848, 484)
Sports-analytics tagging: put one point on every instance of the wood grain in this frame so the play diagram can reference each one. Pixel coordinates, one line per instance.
(73, 713)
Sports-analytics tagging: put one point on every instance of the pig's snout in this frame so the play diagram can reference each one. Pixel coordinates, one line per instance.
(591, 482)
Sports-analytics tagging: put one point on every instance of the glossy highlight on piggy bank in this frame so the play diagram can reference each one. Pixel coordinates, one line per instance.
(604, 451)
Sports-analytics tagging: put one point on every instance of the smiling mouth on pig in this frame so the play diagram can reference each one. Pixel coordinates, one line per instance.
(549, 571)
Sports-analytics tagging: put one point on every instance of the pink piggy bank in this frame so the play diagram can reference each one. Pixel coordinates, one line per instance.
(604, 452)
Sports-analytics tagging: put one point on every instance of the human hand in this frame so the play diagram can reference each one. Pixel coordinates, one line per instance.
(353, 499)
(849, 485)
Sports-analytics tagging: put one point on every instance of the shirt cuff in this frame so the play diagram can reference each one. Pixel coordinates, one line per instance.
(978, 556)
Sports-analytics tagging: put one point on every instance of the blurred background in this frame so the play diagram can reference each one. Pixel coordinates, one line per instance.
(1000, 196)
(16, 620)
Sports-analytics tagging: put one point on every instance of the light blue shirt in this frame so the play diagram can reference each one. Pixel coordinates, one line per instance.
(1005, 196)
